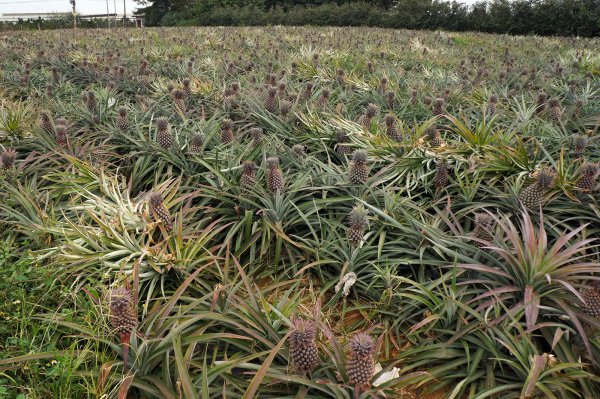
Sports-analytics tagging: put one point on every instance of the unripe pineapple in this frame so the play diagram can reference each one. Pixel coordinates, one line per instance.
(383, 85)
(308, 90)
(303, 347)
(433, 137)
(342, 146)
(390, 97)
(227, 131)
(196, 143)
(257, 136)
(441, 175)
(164, 138)
(7, 159)
(122, 121)
(299, 151)
(427, 101)
(483, 228)
(179, 100)
(438, 106)
(45, 123)
(323, 98)
(159, 212)
(588, 174)
(579, 144)
(90, 101)
(358, 222)
(532, 195)
(554, 109)
(367, 118)
(414, 97)
(360, 363)
(491, 108)
(248, 178)
(187, 88)
(540, 101)
(271, 100)
(55, 74)
(285, 107)
(315, 60)
(359, 170)
(591, 299)
(61, 134)
(274, 175)
(339, 77)
(392, 130)
(281, 87)
(122, 314)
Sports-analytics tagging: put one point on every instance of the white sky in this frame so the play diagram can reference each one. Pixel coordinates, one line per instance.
(83, 6)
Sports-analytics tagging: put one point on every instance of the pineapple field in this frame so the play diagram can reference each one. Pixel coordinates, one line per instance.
(299, 213)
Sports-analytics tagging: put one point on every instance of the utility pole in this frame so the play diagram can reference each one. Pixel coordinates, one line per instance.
(74, 14)
(107, 15)
(124, 13)
(115, 8)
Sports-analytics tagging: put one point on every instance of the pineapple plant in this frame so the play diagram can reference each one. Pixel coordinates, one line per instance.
(299, 151)
(392, 130)
(123, 317)
(438, 106)
(196, 143)
(164, 137)
(7, 159)
(271, 99)
(367, 118)
(484, 224)
(358, 172)
(159, 212)
(532, 196)
(227, 131)
(587, 177)
(179, 100)
(122, 120)
(248, 177)
(554, 109)
(580, 143)
(433, 137)
(360, 364)
(303, 347)
(441, 178)
(45, 123)
(358, 222)
(274, 175)
(342, 147)
(591, 298)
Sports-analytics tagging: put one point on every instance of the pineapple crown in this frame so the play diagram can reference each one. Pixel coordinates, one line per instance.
(272, 92)
(162, 124)
(235, 86)
(554, 103)
(156, 199)
(119, 298)
(342, 137)
(178, 94)
(45, 116)
(315, 56)
(282, 86)
(439, 101)
(545, 178)
(325, 93)
(61, 130)
(340, 72)
(427, 100)
(249, 167)
(7, 158)
(310, 85)
(383, 81)
(441, 165)
(198, 139)
(484, 220)
(285, 106)
(431, 132)
(186, 82)
(362, 345)
(62, 122)
(390, 119)
(493, 99)
(359, 156)
(122, 111)
(303, 332)
(580, 141)
(256, 132)
(590, 169)
(390, 95)
(371, 110)
(272, 162)
(227, 124)
(358, 216)
(298, 149)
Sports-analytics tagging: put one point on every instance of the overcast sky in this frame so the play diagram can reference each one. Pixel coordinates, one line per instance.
(83, 6)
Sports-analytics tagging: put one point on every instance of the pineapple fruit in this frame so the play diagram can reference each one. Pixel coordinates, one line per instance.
(274, 175)
(358, 222)
(532, 196)
(303, 347)
(360, 363)
(358, 172)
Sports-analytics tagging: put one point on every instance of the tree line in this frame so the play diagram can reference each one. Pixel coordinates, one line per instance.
(541, 17)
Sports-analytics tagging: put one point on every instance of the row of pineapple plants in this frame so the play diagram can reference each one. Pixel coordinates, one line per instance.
(316, 212)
